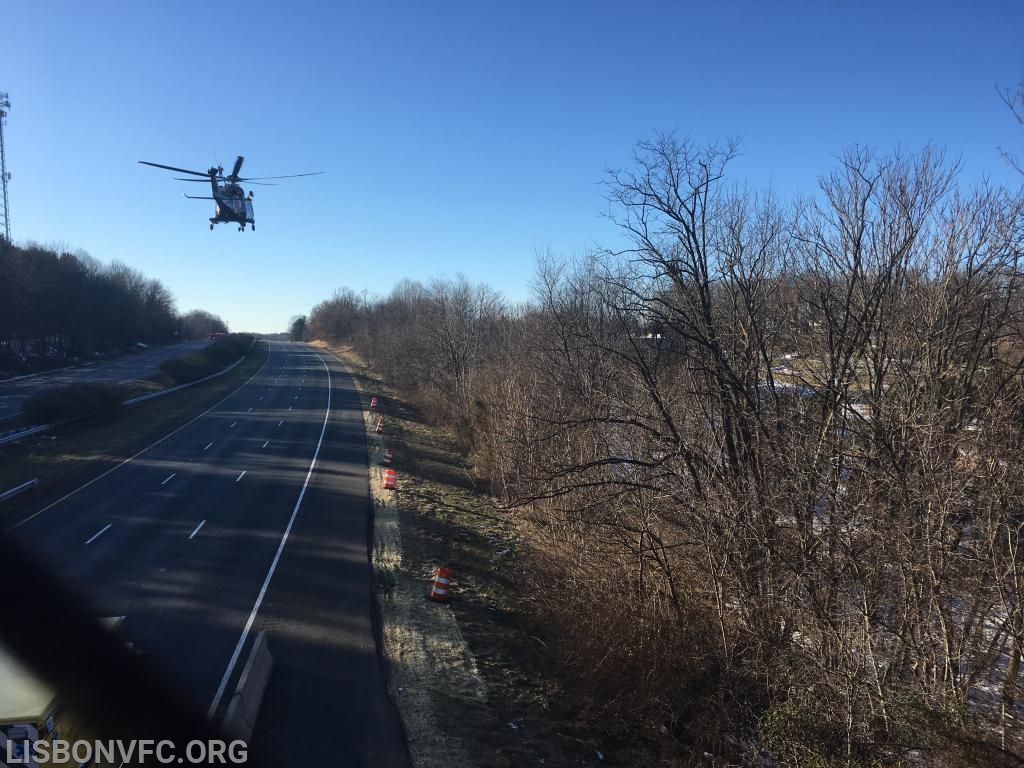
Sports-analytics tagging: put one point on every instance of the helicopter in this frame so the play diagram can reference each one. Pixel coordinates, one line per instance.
(232, 204)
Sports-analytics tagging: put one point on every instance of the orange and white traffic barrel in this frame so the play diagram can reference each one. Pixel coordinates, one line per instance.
(388, 456)
(442, 584)
(390, 478)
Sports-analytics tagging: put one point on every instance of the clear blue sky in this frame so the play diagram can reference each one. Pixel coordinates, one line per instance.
(456, 135)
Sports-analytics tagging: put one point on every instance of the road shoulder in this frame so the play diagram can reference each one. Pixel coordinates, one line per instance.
(467, 678)
(327, 702)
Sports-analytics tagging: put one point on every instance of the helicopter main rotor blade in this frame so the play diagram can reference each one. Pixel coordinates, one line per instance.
(238, 166)
(289, 176)
(222, 179)
(172, 168)
(197, 197)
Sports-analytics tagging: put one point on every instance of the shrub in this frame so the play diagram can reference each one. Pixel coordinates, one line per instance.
(192, 366)
(71, 402)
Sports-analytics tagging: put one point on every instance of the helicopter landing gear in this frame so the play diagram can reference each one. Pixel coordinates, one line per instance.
(253, 225)
(211, 226)
(241, 228)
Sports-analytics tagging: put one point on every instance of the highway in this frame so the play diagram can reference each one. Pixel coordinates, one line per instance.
(253, 516)
(119, 370)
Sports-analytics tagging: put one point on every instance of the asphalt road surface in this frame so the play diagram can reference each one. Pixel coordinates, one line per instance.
(120, 370)
(253, 516)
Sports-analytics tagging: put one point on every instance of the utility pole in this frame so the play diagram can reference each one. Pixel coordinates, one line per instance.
(5, 104)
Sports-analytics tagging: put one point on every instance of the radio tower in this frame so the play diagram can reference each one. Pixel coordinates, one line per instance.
(5, 104)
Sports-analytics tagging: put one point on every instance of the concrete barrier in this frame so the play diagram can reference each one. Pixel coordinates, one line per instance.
(244, 707)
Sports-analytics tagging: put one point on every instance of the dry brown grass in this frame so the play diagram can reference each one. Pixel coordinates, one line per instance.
(72, 451)
(469, 679)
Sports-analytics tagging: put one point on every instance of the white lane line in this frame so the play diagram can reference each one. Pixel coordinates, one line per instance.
(295, 398)
(232, 425)
(240, 476)
(261, 397)
(280, 422)
(99, 533)
(265, 444)
(250, 410)
(171, 477)
(277, 557)
(289, 407)
(209, 445)
(193, 534)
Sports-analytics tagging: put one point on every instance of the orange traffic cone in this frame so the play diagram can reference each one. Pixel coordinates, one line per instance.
(373, 402)
(390, 478)
(442, 584)
(388, 456)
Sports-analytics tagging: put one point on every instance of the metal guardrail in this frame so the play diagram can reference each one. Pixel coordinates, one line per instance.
(131, 401)
(163, 392)
(19, 488)
(24, 433)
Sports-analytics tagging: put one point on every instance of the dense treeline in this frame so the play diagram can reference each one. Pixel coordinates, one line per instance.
(55, 305)
(766, 462)
(199, 324)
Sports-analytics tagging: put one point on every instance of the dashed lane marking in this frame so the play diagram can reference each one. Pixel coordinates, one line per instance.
(99, 533)
(277, 557)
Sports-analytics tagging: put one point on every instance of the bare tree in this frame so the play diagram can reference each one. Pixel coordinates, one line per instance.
(1014, 99)
(765, 461)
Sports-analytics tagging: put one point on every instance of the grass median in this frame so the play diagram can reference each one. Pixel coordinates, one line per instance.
(74, 452)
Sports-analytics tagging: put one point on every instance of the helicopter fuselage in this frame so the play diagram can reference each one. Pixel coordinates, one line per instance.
(232, 206)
